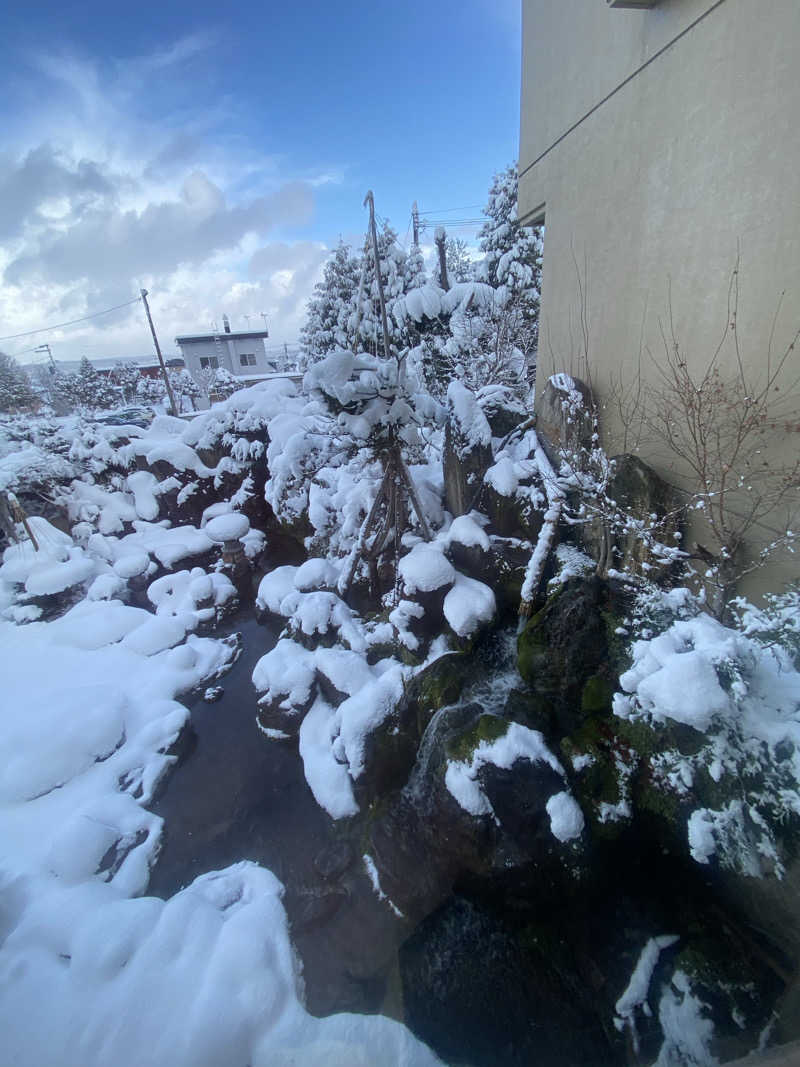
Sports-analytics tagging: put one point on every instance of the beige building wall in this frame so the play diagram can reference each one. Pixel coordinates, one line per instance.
(657, 145)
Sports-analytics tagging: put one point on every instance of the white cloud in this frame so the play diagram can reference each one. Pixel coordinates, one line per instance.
(97, 201)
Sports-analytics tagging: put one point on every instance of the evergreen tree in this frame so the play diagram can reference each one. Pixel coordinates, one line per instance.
(88, 389)
(513, 265)
(151, 390)
(365, 317)
(460, 266)
(185, 389)
(15, 389)
(224, 384)
(414, 274)
(126, 376)
(322, 332)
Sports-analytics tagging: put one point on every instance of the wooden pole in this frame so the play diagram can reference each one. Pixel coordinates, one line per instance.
(439, 239)
(173, 405)
(415, 221)
(370, 199)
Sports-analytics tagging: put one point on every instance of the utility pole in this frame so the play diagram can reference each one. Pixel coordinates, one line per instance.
(415, 221)
(46, 348)
(173, 405)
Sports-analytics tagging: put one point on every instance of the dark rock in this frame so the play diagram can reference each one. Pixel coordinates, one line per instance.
(640, 494)
(286, 720)
(503, 410)
(518, 795)
(513, 516)
(477, 995)
(314, 909)
(571, 644)
(334, 860)
(502, 567)
(564, 420)
(391, 749)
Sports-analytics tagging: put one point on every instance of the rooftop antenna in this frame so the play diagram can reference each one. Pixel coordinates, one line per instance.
(247, 320)
(264, 317)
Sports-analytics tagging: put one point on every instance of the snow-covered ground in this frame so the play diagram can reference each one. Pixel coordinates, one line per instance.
(93, 971)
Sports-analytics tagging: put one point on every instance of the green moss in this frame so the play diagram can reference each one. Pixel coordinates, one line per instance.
(597, 695)
(532, 646)
(441, 683)
(486, 728)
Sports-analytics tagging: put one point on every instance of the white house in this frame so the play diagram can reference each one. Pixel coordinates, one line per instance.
(242, 354)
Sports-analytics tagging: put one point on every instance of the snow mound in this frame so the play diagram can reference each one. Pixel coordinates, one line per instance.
(227, 527)
(425, 568)
(518, 742)
(566, 817)
(468, 605)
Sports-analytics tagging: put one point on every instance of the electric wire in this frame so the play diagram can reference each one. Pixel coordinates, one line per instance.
(72, 322)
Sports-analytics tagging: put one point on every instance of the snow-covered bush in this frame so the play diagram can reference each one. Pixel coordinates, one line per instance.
(739, 776)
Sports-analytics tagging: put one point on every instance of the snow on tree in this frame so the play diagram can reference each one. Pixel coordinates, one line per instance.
(223, 384)
(460, 265)
(126, 376)
(414, 275)
(88, 389)
(513, 263)
(151, 390)
(363, 317)
(329, 304)
(15, 389)
(185, 389)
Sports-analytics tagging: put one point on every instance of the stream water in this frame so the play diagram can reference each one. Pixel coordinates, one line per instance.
(234, 795)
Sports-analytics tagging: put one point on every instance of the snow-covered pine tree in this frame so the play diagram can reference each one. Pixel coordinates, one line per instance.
(185, 389)
(414, 273)
(393, 275)
(460, 265)
(512, 265)
(329, 303)
(89, 389)
(151, 390)
(15, 389)
(224, 384)
(126, 376)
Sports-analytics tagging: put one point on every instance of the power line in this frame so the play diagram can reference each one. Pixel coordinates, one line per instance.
(446, 210)
(72, 322)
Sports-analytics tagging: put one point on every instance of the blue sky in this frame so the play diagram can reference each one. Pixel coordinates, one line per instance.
(215, 154)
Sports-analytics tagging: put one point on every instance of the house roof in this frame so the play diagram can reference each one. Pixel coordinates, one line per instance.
(248, 335)
(71, 366)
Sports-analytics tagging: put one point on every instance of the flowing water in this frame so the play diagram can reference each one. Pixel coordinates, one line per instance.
(234, 795)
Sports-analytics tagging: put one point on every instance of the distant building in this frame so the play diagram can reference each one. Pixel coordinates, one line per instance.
(148, 366)
(242, 354)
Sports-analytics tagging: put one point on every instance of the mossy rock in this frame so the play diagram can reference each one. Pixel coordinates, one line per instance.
(391, 749)
(570, 644)
(486, 727)
(597, 695)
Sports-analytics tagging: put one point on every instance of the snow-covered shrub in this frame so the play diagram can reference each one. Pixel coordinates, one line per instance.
(739, 778)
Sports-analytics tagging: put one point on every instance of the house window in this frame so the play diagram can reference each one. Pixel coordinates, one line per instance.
(209, 361)
(247, 359)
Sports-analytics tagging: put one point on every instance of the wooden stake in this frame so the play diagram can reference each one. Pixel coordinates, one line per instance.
(370, 200)
(439, 240)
